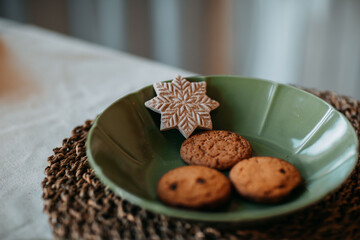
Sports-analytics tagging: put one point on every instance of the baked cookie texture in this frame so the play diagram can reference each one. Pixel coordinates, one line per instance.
(265, 179)
(215, 149)
(194, 187)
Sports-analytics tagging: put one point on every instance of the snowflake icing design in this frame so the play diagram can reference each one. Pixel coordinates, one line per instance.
(182, 105)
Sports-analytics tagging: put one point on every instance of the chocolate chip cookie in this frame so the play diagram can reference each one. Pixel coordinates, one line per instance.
(194, 187)
(215, 149)
(265, 179)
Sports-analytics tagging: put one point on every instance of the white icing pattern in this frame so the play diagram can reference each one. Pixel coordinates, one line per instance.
(182, 105)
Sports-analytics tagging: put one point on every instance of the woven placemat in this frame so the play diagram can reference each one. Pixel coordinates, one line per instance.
(81, 207)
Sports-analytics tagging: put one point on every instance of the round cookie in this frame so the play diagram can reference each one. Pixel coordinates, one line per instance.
(194, 187)
(265, 179)
(215, 149)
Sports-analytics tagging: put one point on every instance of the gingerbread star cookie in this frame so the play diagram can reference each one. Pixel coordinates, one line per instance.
(183, 105)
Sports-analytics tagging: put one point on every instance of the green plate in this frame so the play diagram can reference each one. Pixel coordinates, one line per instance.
(129, 153)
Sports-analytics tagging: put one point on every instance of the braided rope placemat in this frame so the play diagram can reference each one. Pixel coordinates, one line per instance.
(81, 207)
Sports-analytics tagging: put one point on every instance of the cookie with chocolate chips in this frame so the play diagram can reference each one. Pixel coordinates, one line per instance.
(194, 187)
(215, 149)
(265, 179)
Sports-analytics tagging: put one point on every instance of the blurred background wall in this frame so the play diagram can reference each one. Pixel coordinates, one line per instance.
(311, 43)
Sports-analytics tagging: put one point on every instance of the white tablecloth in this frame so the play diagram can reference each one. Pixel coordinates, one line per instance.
(48, 85)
